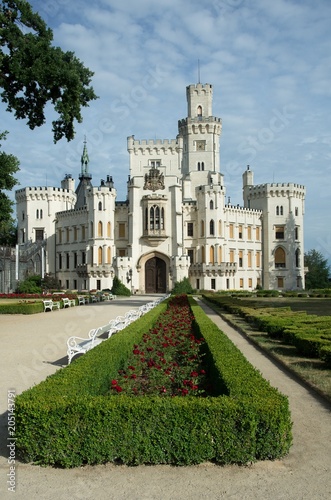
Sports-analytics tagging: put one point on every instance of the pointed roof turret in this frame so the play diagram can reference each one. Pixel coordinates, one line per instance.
(85, 162)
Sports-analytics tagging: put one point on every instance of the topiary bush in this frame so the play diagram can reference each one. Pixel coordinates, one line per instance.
(183, 286)
(119, 288)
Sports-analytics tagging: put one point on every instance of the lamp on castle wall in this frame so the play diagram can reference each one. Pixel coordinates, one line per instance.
(129, 276)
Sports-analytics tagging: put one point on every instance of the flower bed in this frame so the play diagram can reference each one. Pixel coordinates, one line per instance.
(168, 360)
(76, 417)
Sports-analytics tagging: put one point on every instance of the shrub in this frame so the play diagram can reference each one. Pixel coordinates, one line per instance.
(183, 286)
(119, 288)
(32, 284)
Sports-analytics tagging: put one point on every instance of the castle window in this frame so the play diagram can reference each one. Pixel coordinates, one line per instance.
(37, 213)
(203, 255)
(257, 233)
(202, 227)
(280, 258)
(231, 231)
(296, 233)
(75, 260)
(249, 258)
(211, 228)
(100, 206)
(220, 258)
(199, 111)
(241, 283)
(296, 211)
(162, 218)
(121, 230)
(41, 213)
(99, 256)
(23, 215)
(277, 210)
(213, 284)
(67, 234)
(297, 258)
(232, 256)
(281, 210)
(250, 283)
(199, 168)
(39, 234)
(83, 233)
(151, 218)
(258, 259)
(212, 255)
(75, 233)
(240, 232)
(241, 258)
(190, 229)
(279, 232)
(202, 165)
(211, 205)
(108, 255)
(280, 282)
(100, 229)
(60, 261)
(157, 218)
(155, 163)
(190, 254)
(83, 258)
(67, 260)
(249, 232)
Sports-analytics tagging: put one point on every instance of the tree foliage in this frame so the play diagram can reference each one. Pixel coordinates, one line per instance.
(34, 73)
(9, 165)
(319, 270)
(183, 286)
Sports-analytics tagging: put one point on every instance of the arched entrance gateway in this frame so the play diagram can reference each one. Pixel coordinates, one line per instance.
(155, 275)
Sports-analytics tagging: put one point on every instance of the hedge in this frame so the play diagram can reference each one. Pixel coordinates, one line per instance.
(22, 308)
(68, 420)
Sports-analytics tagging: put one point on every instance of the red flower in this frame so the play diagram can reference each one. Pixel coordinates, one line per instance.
(136, 351)
(131, 367)
(184, 392)
(194, 374)
(114, 382)
(118, 388)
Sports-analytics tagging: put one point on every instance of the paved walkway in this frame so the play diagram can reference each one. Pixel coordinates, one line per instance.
(34, 347)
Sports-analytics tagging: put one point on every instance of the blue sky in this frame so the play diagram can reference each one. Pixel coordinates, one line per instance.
(270, 66)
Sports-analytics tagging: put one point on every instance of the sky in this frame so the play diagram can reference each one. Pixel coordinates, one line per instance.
(270, 67)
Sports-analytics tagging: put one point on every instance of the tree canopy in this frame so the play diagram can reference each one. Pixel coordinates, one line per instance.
(319, 270)
(34, 73)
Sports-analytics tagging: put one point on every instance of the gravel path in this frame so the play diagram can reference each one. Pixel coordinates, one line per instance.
(34, 347)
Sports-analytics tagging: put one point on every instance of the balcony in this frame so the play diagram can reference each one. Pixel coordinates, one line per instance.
(153, 237)
(94, 270)
(217, 269)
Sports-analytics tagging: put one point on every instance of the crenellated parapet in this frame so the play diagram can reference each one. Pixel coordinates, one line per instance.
(45, 194)
(276, 190)
(152, 146)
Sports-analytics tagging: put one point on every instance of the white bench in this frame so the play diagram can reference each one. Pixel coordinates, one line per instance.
(49, 305)
(68, 302)
(82, 300)
(79, 345)
(109, 296)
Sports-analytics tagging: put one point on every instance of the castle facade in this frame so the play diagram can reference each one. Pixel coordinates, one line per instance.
(175, 223)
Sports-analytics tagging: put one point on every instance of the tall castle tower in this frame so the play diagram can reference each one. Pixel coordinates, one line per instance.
(200, 131)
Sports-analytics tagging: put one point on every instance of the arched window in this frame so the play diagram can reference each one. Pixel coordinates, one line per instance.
(199, 111)
(37, 213)
(199, 168)
(212, 255)
(277, 210)
(157, 218)
(202, 165)
(108, 255)
(100, 256)
(162, 218)
(211, 228)
(281, 210)
(297, 258)
(202, 232)
(108, 229)
(100, 206)
(99, 228)
(41, 213)
(203, 257)
(151, 218)
(280, 257)
(220, 256)
(211, 205)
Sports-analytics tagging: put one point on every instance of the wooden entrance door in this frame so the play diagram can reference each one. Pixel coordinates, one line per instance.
(155, 276)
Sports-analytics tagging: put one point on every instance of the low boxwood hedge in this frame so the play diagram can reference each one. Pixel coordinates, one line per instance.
(22, 308)
(70, 419)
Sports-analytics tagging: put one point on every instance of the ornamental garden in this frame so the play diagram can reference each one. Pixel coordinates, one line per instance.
(170, 388)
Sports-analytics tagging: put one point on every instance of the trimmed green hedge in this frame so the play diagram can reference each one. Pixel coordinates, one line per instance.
(70, 419)
(22, 308)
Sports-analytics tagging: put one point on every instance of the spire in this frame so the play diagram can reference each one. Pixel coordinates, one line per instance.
(85, 160)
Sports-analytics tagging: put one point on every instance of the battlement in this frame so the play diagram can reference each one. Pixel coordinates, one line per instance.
(150, 145)
(199, 120)
(241, 210)
(276, 189)
(42, 193)
(199, 88)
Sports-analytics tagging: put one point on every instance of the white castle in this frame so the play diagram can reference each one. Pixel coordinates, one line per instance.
(174, 224)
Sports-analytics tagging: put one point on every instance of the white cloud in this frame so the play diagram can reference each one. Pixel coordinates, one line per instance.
(261, 57)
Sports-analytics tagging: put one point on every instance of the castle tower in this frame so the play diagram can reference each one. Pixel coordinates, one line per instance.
(200, 132)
